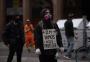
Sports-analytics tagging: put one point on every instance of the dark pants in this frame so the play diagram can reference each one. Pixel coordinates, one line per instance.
(47, 58)
(18, 48)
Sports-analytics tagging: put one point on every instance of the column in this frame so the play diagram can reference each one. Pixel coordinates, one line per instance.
(26, 9)
(2, 15)
(57, 9)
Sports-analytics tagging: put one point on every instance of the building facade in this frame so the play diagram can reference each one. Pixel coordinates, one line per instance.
(30, 9)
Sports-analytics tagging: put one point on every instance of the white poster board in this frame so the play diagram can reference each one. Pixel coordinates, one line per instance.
(49, 39)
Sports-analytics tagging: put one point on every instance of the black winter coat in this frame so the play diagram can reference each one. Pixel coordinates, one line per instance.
(13, 33)
(69, 30)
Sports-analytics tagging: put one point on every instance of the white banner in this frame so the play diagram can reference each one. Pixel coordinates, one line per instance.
(49, 39)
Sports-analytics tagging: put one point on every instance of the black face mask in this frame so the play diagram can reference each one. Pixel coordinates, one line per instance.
(18, 21)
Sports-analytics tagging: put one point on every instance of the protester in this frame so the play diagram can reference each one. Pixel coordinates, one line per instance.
(14, 38)
(69, 32)
(47, 36)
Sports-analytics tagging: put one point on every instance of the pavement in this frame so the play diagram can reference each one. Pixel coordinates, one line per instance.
(32, 57)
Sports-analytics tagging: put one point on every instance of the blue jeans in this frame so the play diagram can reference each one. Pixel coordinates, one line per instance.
(70, 41)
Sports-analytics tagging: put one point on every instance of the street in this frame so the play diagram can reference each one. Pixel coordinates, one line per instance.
(29, 57)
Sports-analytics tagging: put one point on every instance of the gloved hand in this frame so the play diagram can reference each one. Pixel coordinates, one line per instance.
(38, 52)
(62, 49)
(57, 55)
(62, 52)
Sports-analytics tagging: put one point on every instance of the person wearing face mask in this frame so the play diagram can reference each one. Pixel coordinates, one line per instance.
(47, 36)
(14, 35)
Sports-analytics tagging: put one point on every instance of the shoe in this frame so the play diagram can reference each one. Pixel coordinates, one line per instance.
(66, 57)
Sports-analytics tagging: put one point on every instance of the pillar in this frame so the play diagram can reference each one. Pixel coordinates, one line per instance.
(57, 9)
(26, 9)
(2, 16)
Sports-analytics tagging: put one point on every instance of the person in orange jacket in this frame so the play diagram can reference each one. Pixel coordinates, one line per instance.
(29, 34)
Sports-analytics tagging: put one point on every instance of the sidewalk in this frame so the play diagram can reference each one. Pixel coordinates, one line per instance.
(32, 57)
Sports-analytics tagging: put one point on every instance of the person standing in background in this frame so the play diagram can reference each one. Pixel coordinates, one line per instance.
(14, 38)
(29, 34)
(69, 32)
